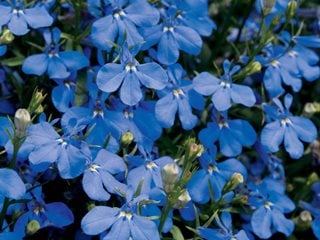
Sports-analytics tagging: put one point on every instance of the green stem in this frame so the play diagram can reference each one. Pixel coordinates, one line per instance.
(165, 212)
(3, 212)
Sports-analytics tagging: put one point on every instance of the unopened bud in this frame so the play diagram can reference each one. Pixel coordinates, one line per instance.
(127, 138)
(35, 103)
(196, 149)
(291, 9)
(233, 183)
(183, 199)
(303, 221)
(267, 6)
(170, 174)
(33, 227)
(311, 108)
(315, 150)
(6, 37)
(22, 120)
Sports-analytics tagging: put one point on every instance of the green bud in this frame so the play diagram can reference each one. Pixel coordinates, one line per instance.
(267, 6)
(35, 106)
(196, 149)
(170, 174)
(90, 206)
(22, 120)
(303, 221)
(33, 227)
(252, 68)
(127, 138)
(7, 37)
(291, 9)
(183, 199)
(233, 182)
(312, 108)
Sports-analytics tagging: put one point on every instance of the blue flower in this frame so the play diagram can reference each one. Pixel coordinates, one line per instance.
(46, 214)
(213, 175)
(120, 223)
(98, 180)
(57, 64)
(179, 97)
(171, 37)
(49, 147)
(224, 232)
(11, 185)
(232, 135)
(18, 18)
(3, 50)
(223, 90)
(130, 75)
(121, 22)
(285, 127)
(270, 204)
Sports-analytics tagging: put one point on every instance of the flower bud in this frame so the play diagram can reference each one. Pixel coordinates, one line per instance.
(7, 37)
(127, 138)
(315, 150)
(170, 174)
(33, 227)
(233, 183)
(267, 6)
(303, 221)
(22, 120)
(196, 149)
(183, 199)
(35, 103)
(291, 9)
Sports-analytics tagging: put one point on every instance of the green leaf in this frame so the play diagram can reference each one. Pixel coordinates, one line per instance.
(13, 62)
(176, 233)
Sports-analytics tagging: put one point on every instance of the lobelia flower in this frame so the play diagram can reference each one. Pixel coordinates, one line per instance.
(49, 147)
(223, 90)
(285, 127)
(98, 179)
(122, 20)
(130, 75)
(171, 37)
(57, 64)
(120, 223)
(231, 134)
(179, 97)
(224, 232)
(19, 19)
(213, 175)
(148, 171)
(43, 214)
(270, 204)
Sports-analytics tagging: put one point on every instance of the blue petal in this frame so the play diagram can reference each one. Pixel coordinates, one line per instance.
(144, 120)
(35, 64)
(243, 131)
(229, 167)
(222, 99)
(103, 32)
(128, 31)
(130, 92)
(38, 17)
(226, 220)
(18, 25)
(212, 234)
(142, 14)
(70, 162)
(110, 162)
(119, 231)
(188, 40)
(143, 229)
(304, 128)
(261, 222)
(291, 80)
(98, 220)
(11, 185)
(110, 77)
(62, 97)
(316, 227)
(281, 224)
(209, 134)
(111, 183)
(205, 83)
(229, 145)
(243, 94)
(47, 153)
(152, 76)
(59, 214)
(151, 36)
(198, 187)
(292, 144)
(56, 68)
(92, 185)
(74, 60)
(5, 13)
(5, 126)
(165, 110)
(272, 81)
(187, 118)
(168, 51)
(272, 136)
(309, 72)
